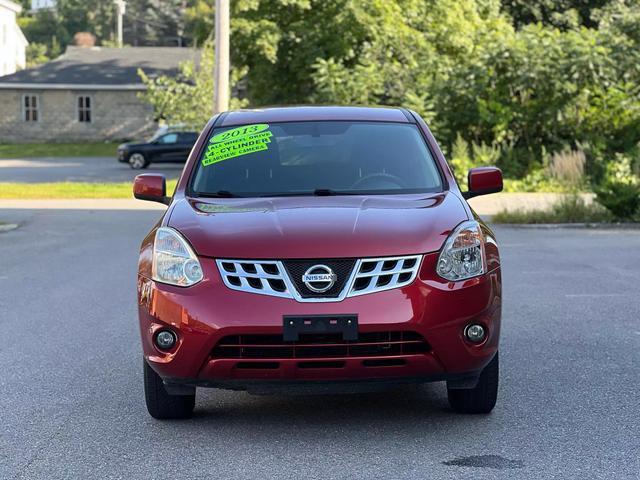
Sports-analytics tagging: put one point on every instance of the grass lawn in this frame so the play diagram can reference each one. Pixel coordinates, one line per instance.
(70, 190)
(27, 150)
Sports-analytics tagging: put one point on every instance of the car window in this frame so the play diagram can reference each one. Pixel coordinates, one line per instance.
(187, 137)
(168, 138)
(304, 157)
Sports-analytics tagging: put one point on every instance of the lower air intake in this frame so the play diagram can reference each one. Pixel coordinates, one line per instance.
(376, 344)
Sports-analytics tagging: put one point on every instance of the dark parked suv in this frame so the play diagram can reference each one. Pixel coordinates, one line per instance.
(171, 147)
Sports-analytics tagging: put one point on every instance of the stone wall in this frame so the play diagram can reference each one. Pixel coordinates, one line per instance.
(115, 115)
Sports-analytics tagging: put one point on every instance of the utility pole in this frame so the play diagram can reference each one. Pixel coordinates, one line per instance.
(121, 6)
(221, 73)
(183, 6)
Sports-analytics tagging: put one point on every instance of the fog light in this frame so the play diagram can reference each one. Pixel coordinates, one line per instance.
(165, 339)
(475, 333)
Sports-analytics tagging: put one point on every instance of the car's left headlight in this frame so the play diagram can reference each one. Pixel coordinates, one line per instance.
(173, 260)
(462, 256)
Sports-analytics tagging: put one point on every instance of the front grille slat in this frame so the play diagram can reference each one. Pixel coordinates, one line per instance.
(386, 274)
(255, 276)
(377, 344)
(354, 277)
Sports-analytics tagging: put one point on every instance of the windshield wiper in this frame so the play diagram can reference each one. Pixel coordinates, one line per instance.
(324, 192)
(327, 192)
(318, 192)
(218, 194)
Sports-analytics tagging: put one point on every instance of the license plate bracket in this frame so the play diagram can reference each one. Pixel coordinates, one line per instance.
(294, 325)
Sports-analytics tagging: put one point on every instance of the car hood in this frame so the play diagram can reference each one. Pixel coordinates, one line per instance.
(317, 227)
(132, 144)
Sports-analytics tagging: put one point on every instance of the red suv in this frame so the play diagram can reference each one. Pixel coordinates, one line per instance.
(318, 249)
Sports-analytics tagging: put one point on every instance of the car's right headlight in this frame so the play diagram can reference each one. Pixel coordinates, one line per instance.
(462, 256)
(173, 260)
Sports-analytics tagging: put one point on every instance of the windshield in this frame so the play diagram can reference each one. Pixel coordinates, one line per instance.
(321, 158)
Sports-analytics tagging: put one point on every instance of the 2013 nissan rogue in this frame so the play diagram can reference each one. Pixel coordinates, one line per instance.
(318, 249)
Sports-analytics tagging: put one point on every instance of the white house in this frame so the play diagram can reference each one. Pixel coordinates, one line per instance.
(42, 4)
(12, 41)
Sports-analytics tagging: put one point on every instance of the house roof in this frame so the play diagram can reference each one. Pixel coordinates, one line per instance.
(14, 7)
(101, 68)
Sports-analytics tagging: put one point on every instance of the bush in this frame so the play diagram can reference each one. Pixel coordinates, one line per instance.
(620, 191)
(536, 181)
(465, 156)
(621, 199)
(460, 161)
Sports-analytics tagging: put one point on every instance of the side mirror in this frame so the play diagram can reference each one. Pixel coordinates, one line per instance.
(151, 187)
(483, 180)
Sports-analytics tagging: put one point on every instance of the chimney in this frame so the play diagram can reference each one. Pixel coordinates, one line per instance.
(84, 39)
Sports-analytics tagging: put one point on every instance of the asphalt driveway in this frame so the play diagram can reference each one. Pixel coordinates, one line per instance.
(77, 169)
(71, 385)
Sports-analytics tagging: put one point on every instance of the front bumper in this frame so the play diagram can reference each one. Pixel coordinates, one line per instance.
(206, 313)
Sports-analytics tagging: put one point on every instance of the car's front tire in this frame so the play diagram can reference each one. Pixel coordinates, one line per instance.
(138, 161)
(482, 398)
(160, 404)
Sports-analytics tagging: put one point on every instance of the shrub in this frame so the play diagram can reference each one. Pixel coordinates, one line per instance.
(465, 156)
(460, 160)
(537, 180)
(621, 199)
(485, 154)
(620, 191)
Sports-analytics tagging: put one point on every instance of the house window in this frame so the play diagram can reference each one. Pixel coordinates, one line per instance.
(31, 108)
(84, 109)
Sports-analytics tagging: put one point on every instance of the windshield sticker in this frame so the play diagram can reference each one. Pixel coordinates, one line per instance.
(237, 142)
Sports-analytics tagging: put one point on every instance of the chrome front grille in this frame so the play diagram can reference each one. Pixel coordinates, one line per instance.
(270, 277)
(378, 274)
(255, 276)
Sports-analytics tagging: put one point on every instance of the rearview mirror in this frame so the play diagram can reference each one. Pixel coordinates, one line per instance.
(151, 187)
(483, 180)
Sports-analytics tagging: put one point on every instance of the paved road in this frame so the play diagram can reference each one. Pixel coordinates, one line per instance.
(80, 169)
(107, 169)
(72, 404)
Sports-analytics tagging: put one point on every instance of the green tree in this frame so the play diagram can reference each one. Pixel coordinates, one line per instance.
(517, 81)
(36, 54)
(559, 13)
(188, 99)
(46, 29)
(155, 22)
(198, 19)
(95, 16)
